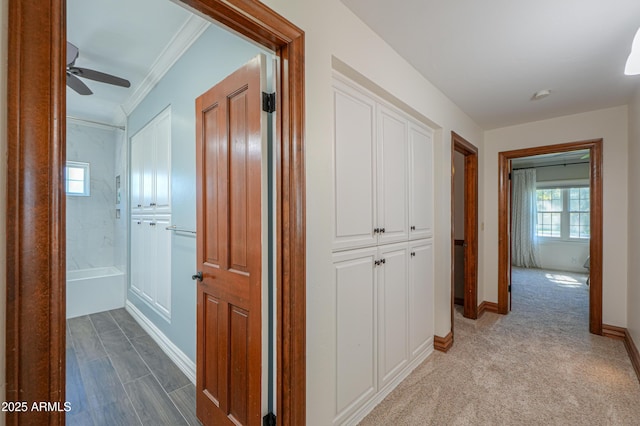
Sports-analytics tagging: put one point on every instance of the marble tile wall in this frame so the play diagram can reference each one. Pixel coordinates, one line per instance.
(91, 221)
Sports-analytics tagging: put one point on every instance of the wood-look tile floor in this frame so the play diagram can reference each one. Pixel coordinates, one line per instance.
(117, 375)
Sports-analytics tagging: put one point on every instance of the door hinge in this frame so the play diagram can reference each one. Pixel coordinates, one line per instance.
(269, 420)
(509, 175)
(268, 102)
(509, 288)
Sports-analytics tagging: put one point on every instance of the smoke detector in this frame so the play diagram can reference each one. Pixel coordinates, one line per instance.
(541, 94)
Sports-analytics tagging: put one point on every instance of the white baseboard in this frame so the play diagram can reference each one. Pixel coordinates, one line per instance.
(360, 414)
(183, 362)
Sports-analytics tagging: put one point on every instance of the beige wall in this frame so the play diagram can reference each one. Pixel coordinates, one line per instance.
(633, 298)
(3, 193)
(332, 31)
(608, 124)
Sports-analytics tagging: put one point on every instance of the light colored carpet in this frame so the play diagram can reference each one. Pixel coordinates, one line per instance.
(536, 366)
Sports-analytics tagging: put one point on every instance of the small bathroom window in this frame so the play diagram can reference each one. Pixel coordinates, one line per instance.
(77, 179)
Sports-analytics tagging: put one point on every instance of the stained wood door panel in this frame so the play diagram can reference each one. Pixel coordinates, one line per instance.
(229, 244)
(238, 181)
(211, 313)
(210, 131)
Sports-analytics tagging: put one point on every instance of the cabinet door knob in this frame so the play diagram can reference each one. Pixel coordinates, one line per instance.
(413, 228)
(152, 204)
(139, 205)
(382, 230)
(197, 276)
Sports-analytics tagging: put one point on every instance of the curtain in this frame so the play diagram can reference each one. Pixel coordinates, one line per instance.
(524, 245)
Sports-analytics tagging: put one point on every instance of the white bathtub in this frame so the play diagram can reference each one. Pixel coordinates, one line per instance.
(95, 290)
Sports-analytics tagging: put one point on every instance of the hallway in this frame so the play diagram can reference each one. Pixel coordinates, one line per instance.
(537, 365)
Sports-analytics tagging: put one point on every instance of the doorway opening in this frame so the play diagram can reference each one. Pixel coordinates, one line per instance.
(36, 254)
(550, 217)
(464, 227)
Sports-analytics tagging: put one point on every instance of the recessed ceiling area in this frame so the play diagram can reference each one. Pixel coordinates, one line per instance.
(490, 56)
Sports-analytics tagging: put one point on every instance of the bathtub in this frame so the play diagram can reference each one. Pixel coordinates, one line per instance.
(95, 290)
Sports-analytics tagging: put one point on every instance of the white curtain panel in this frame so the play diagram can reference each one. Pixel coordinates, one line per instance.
(524, 247)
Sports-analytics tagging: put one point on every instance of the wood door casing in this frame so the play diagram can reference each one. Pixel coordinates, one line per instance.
(596, 207)
(35, 325)
(229, 249)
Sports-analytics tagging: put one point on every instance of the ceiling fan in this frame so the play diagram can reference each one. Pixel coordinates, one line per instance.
(74, 72)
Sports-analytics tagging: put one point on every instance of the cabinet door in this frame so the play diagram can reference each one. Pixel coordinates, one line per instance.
(420, 183)
(354, 280)
(149, 264)
(421, 297)
(163, 265)
(393, 333)
(137, 171)
(392, 176)
(354, 169)
(162, 166)
(148, 168)
(137, 259)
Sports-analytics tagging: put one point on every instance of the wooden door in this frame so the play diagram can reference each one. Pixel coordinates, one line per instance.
(229, 249)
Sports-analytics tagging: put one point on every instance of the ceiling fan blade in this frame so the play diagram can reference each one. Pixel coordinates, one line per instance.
(99, 76)
(72, 53)
(76, 84)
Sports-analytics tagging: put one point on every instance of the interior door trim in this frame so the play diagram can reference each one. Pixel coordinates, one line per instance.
(35, 297)
(595, 243)
(470, 152)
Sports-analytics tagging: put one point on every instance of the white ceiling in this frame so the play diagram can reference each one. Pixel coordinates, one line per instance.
(490, 56)
(117, 37)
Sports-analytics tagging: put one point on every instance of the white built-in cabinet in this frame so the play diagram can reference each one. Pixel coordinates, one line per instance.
(151, 213)
(151, 166)
(383, 173)
(382, 247)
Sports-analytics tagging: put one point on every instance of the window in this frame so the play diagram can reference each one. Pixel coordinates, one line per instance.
(77, 179)
(549, 212)
(563, 213)
(579, 213)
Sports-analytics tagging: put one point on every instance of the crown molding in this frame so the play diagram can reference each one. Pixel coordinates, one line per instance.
(188, 33)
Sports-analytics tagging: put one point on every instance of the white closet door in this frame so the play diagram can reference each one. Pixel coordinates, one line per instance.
(392, 176)
(421, 296)
(354, 169)
(421, 183)
(162, 131)
(163, 265)
(355, 289)
(137, 171)
(137, 260)
(148, 168)
(393, 333)
(149, 272)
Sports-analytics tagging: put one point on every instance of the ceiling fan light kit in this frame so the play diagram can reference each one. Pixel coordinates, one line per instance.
(633, 61)
(74, 72)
